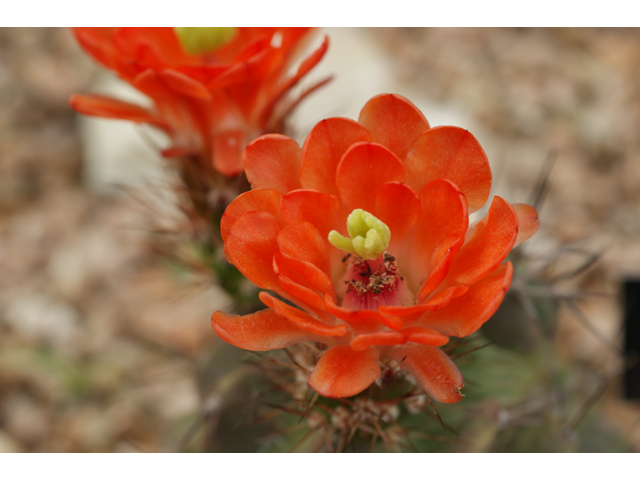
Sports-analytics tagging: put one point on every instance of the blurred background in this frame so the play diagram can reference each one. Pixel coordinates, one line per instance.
(105, 345)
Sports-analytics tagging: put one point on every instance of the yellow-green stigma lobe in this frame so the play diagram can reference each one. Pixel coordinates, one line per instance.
(369, 236)
(199, 40)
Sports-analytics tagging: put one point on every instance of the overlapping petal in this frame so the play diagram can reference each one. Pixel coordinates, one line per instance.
(453, 154)
(344, 372)
(422, 336)
(486, 245)
(466, 313)
(273, 161)
(324, 147)
(260, 331)
(437, 235)
(394, 122)
(364, 168)
(434, 371)
(528, 222)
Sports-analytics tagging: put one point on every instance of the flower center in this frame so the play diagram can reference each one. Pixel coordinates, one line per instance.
(373, 283)
(369, 237)
(199, 40)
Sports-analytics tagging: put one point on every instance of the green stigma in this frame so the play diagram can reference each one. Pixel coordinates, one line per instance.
(198, 40)
(369, 236)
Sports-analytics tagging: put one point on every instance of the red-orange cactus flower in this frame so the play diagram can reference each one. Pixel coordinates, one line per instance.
(419, 274)
(214, 90)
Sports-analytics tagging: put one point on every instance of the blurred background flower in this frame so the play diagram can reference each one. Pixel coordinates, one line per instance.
(106, 346)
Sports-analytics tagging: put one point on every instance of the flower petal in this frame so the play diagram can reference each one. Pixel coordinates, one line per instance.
(364, 168)
(248, 70)
(260, 331)
(528, 222)
(487, 244)
(439, 300)
(303, 242)
(149, 83)
(323, 211)
(302, 320)
(466, 314)
(263, 200)
(273, 161)
(227, 151)
(445, 253)
(101, 106)
(394, 122)
(398, 206)
(184, 85)
(315, 277)
(434, 371)
(423, 336)
(298, 288)
(322, 150)
(362, 321)
(284, 87)
(98, 42)
(437, 235)
(342, 372)
(454, 154)
(252, 242)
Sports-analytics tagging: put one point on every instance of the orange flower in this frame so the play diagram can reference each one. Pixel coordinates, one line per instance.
(403, 191)
(211, 102)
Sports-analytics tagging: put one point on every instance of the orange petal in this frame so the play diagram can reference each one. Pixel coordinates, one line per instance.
(423, 336)
(444, 253)
(252, 242)
(155, 47)
(148, 82)
(301, 319)
(394, 122)
(302, 241)
(466, 314)
(298, 288)
(260, 331)
(101, 106)
(181, 83)
(434, 371)
(487, 244)
(253, 68)
(454, 154)
(285, 86)
(342, 372)
(98, 42)
(364, 168)
(263, 200)
(321, 210)
(397, 205)
(273, 161)
(362, 321)
(227, 151)
(439, 300)
(322, 150)
(315, 277)
(437, 234)
(528, 222)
